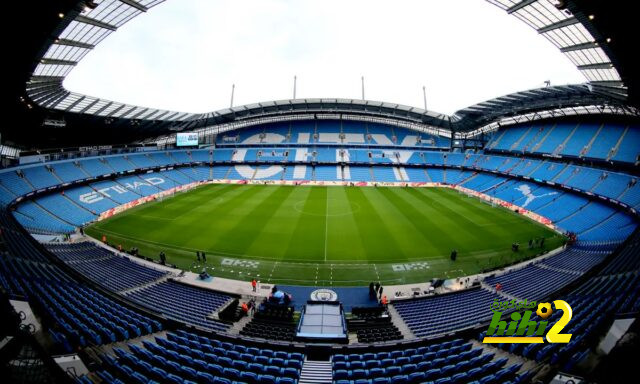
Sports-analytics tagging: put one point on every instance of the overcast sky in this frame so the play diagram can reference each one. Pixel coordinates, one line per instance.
(184, 54)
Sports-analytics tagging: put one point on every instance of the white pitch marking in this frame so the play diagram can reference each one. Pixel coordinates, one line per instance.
(326, 227)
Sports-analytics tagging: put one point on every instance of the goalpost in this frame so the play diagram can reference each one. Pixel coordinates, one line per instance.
(167, 195)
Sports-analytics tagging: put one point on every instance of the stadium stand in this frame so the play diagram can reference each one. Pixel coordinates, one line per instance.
(80, 315)
(95, 167)
(373, 325)
(68, 171)
(609, 292)
(182, 302)
(183, 356)
(65, 209)
(451, 361)
(435, 315)
(117, 273)
(600, 142)
(591, 220)
(273, 322)
(567, 194)
(565, 156)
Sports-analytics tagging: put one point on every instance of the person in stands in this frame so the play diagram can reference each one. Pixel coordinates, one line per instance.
(254, 284)
(245, 309)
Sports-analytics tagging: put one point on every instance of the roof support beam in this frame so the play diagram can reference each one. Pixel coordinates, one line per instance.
(160, 116)
(172, 115)
(148, 113)
(94, 22)
(36, 93)
(45, 101)
(40, 97)
(128, 111)
(135, 5)
(70, 107)
(46, 79)
(595, 66)
(73, 43)
(57, 62)
(520, 5)
(103, 108)
(36, 87)
(55, 102)
(139, 113)
(608, 83)
(85, 109)
(116, 110)
(559, 24)
(579, 47)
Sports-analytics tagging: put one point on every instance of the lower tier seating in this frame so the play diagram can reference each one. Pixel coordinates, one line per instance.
(184, 357)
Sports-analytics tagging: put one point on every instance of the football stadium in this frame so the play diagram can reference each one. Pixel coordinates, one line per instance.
(320, 239)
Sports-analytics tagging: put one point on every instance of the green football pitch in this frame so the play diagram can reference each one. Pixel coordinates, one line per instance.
(326, 236)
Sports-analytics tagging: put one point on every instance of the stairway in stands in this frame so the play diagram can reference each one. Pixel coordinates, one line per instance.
(314, 372)
(399, 322)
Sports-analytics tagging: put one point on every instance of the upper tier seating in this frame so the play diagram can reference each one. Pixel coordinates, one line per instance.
(602, 142)
(40, 177)
(14, 183)
(120, 163)
(331, 132)
(68, 171)
(95, 167)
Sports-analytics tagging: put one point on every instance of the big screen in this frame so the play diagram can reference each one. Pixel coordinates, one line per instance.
(186, 139)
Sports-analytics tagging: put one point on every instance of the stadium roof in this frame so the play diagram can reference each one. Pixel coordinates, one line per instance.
(86, 23)
(534, 104)
(578, 99)
(579, 41)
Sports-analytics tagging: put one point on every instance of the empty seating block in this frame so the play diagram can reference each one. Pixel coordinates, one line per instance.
(440, 314)
(117, 273)
(183, 356)
(183, 302)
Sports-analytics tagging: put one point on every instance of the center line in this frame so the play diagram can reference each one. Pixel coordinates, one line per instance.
(326, 227)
